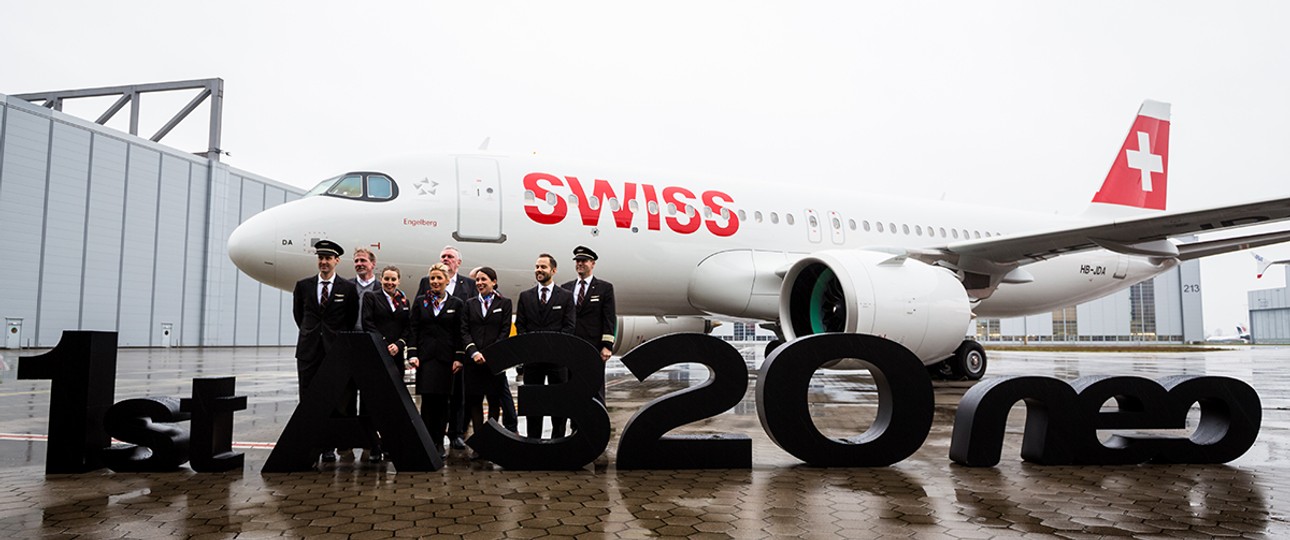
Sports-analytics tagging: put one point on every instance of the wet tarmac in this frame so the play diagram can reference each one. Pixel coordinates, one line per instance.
(923, 496)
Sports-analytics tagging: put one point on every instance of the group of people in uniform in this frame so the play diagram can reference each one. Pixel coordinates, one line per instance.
(444, 329)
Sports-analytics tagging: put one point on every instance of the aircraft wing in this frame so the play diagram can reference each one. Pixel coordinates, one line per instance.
(1139, 235)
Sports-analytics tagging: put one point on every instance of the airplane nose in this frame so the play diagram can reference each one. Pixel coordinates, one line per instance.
(251, 248)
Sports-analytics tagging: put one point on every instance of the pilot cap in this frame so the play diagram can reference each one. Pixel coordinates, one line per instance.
(327, 247)
(584, 252)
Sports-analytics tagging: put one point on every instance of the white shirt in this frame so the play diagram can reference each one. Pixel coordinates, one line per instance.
(330, 289)
(452, 284)
(585, 284)
(365, 284)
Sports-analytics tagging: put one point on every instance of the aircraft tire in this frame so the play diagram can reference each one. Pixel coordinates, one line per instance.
(772, 345)
(969, 361)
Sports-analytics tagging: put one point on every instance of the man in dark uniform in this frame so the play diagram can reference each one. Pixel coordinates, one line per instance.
(545, 308)
(597, 319)
(461, 287)
(365, 281)
(322, 305)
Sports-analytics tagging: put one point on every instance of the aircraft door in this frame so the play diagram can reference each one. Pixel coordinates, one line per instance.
(813, 226)
(479, 200)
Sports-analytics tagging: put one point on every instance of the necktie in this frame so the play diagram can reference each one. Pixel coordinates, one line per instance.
(543, 295)
(582, 291)
(436, 301)
(322, 298)
(488, 302)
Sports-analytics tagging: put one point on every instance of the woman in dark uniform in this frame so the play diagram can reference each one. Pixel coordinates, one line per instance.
(385, 313)
(487, 321)
(436, 336)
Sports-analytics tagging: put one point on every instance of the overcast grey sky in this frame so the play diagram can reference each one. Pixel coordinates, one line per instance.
(998, 103)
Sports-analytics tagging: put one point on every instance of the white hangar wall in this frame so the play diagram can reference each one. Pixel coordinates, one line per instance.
(107, 231)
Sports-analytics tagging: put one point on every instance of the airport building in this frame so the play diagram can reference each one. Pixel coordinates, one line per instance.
(1270, 314)
(111, 231)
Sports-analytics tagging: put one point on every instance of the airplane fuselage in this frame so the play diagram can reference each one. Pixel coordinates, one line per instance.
(652, 231)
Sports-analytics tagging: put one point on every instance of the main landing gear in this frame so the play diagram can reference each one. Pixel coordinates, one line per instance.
(968, 363)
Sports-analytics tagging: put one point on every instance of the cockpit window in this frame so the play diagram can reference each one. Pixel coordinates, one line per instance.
(364, 186)
(351, 187)
(379, 187)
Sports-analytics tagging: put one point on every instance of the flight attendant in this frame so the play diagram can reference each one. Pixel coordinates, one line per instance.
(385, 313)
(436, 336)
(487, 321)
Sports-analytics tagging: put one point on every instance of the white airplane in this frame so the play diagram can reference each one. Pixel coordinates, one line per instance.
(803, 260)
(1242, 336)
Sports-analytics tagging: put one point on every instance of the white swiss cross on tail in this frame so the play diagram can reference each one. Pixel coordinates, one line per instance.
(1139, 174)
(1143, 160)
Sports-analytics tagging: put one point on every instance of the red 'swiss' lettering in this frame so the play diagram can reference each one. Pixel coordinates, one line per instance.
(603, 193)
(551, 196)
(710, 200)
(651, 206)
(539, 194)
(670, 199)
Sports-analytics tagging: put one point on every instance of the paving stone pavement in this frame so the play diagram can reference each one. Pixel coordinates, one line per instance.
(924, 496)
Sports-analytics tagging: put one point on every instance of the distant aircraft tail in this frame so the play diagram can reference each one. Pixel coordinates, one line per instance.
(1139, 174)
(1262, 264)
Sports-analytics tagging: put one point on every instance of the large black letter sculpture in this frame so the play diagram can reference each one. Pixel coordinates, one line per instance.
(155, 443)
(644, 445)
(1063, 420)
(983, 415)
(574, 399)
(83, 370)
(212, 407)
(905, 403)
(360, 357)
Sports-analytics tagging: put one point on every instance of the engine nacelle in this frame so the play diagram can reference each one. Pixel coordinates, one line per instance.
(633, 331)
(920, 306)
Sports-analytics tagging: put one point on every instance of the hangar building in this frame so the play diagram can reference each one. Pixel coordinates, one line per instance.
(105, 230)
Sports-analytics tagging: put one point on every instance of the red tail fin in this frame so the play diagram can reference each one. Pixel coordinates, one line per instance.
(1138, 177)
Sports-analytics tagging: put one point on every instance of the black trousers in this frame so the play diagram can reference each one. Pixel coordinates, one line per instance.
(501, 403)
(457, 407)
(543, 373)
(434, 412)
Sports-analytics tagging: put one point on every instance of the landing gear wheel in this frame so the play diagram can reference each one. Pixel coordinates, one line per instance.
(968, 362)
(772, 345)
(941, 371)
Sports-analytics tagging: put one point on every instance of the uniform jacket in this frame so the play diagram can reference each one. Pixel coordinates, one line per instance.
(478, 331)
(557, 315)
(393, 325)
(319, 324)
(597, 319)
(437, 339)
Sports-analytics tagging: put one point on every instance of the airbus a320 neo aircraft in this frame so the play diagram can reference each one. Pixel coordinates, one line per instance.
(682, 249)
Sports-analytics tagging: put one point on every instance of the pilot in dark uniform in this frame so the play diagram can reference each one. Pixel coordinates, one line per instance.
(597, 319)
(323, 305)
(545, 308)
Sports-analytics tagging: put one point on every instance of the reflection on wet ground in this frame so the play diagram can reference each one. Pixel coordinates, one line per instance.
(922, 496)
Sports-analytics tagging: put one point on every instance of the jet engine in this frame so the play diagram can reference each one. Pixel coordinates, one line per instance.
(923, 307)
(633, 331)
